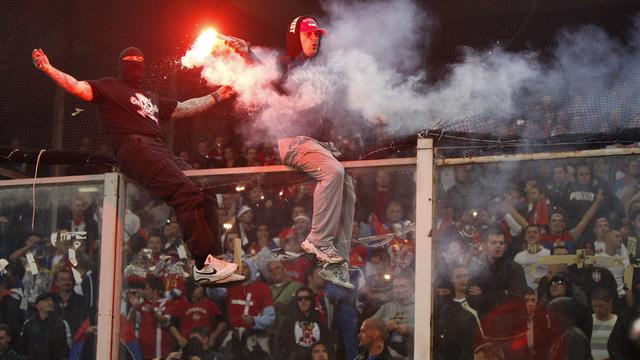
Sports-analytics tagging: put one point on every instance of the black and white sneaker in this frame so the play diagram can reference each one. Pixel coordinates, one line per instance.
(337, 274)
(328, 254)
(214, 270)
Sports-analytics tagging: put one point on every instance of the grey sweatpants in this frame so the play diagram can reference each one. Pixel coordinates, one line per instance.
(334, 197)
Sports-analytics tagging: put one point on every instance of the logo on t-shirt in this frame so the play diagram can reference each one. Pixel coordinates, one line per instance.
(147, 108)
(306, 333)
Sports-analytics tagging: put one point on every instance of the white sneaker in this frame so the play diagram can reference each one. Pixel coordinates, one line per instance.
(213, 270)
(3, 267)
(337, 274)
(231, 278)
(327, 254)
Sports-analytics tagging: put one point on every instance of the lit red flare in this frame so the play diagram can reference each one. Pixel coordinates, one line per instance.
(208, 41)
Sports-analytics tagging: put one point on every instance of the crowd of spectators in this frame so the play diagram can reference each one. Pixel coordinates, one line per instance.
(503, 288)
(498, 291)
(283, 310)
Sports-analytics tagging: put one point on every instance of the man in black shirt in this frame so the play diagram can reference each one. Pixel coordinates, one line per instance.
(131, 117)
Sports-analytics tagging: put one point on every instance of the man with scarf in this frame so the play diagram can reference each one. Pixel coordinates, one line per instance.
(131, 117)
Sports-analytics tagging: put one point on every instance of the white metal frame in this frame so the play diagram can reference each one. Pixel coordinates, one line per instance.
(110, 269)
(423, 317)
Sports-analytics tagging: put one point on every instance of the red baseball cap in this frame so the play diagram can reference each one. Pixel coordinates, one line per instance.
(310, 25)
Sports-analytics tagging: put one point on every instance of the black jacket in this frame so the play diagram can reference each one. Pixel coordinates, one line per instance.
(47, 339)
(501, 305)
(11, 315)
(573, 344)
(457, 332)
(620, 347)
(74, 312)
(10, 355)
(387, 354)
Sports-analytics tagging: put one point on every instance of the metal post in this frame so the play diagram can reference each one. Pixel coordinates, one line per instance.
(110, 271)
(424, 264)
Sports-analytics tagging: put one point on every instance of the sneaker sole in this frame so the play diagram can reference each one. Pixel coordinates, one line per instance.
(335, 281)
(228, 281)
(311, 249)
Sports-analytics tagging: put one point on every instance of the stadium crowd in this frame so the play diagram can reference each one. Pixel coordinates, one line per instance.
(503, 291)
(284, 309)
(494, 296)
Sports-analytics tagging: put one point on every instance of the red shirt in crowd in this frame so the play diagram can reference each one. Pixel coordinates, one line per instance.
(195, 314)
(154, 338)
(254, 297)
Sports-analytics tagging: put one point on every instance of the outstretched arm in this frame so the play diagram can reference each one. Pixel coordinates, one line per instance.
(241, 48)
(199, 105)
(81, 89)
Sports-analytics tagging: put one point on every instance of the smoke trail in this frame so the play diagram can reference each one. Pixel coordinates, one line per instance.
(369, 64)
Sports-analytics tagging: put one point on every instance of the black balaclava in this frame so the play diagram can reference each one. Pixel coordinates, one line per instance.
(131, 71)
(294, 47)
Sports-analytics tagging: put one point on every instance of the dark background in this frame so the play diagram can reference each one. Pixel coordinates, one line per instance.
(83, 38)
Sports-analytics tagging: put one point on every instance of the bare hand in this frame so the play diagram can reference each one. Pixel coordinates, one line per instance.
(182, 342)
(238, 45)
(247, 319)
(175, 355)
(133, 299)
(600, 196)
(475, 290)
(40, 60)
(224, 92)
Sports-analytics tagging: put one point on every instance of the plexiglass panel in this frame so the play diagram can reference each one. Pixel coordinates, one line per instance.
(286, 305)
(50, 239)
(532, 252)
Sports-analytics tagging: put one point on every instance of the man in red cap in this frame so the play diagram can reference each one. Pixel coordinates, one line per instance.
(131, 117)
(307, 146)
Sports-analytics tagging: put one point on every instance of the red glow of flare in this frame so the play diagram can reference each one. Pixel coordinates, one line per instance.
(208, 40)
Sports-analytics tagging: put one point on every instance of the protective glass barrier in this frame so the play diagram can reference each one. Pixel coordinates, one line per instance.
(288, 302)
(528, 253)
(49, 269)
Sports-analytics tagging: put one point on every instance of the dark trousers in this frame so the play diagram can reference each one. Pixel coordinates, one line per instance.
(148, 161)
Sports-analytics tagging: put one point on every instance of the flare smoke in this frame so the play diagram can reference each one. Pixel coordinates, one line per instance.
(370, 63)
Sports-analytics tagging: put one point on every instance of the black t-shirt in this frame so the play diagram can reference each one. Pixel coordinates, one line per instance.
(128, 111)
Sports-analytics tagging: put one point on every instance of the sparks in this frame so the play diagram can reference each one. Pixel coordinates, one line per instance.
(208, 40)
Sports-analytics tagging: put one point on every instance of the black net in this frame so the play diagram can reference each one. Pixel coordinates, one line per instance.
(579, 62)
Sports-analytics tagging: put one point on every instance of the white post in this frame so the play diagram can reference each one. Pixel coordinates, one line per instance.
(424, 265)
(110, 258)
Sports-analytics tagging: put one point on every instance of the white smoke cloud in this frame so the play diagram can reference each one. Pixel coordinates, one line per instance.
(370, 64)
(395, 33)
